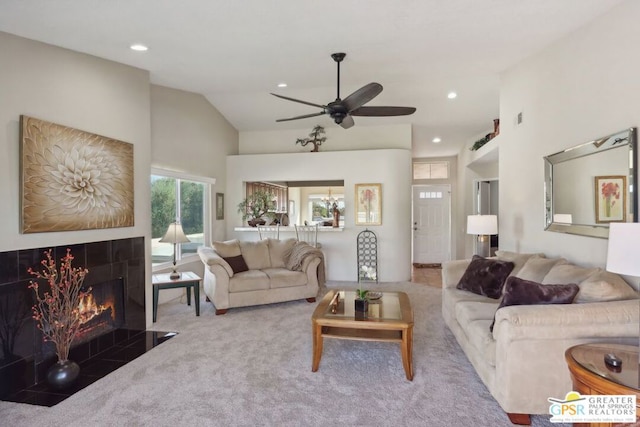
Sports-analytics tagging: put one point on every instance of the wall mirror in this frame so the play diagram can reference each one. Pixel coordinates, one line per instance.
(591, 185)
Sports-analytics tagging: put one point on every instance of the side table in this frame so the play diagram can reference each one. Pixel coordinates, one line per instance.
(187, 279)
(590, 375)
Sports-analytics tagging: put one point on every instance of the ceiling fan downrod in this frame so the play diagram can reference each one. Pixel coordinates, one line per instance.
(338, 57)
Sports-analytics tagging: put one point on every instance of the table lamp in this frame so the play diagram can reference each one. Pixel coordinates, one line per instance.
(482, 226)
(174, 235)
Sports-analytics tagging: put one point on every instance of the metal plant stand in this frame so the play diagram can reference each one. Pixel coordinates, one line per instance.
(367, 256)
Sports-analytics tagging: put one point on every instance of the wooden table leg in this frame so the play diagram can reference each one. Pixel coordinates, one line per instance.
(317, 346)
(407, 352)
(196, 296)
(156, 291)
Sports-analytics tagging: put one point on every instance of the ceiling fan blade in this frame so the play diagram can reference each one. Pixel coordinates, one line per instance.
(347, 122)
(363, 95)
(302, 117)
(297, 100)
(383, 111)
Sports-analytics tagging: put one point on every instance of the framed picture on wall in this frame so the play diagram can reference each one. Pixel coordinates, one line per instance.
(611, 198)
(368, 201)
(219, 205)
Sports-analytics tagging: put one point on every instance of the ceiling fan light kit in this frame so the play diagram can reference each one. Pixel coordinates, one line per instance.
(342, 110)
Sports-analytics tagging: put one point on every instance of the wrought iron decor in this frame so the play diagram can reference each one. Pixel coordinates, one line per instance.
(367, 256)
(73, 180)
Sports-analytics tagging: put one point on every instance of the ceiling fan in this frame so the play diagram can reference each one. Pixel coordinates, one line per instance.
(342, 110)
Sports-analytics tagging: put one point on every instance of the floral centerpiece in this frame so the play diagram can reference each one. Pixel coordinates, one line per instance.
(57, 310)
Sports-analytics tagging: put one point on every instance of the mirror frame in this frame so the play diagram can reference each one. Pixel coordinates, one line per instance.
(627, 137)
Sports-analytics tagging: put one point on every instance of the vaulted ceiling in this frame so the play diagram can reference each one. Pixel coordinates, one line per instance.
(236, 52)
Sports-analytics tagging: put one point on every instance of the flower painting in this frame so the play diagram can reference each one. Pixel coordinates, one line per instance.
(611, 202)
(368, 204)
(73, 180)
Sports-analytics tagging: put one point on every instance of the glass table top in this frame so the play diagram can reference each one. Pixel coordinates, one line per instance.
(387, 306)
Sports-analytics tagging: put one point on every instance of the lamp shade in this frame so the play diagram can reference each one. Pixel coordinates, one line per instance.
(622, 254)
(174, 234)
(482, 224)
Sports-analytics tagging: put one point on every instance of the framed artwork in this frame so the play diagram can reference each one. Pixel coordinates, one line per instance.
(368, 204)
(73, 180)
(611, 198)
(219, 205)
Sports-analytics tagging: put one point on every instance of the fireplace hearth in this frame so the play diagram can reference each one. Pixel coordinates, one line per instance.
(113, 315)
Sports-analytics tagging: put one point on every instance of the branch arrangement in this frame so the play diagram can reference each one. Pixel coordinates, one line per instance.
(57, 310)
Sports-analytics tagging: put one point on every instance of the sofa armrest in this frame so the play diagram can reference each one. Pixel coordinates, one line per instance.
(210, 258)
(568, 321)
(452, 272)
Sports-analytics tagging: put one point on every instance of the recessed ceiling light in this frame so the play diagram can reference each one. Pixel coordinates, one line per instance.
(436, 140)
(282, 84)
(452, 95)
(138, 47)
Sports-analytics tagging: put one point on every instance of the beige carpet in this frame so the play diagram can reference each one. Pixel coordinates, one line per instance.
(252, 367)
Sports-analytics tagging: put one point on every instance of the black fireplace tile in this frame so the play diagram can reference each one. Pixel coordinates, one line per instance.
(101, 367)
(138, 247)
(8, 267)
(122, 249)
(38, 398)
(99, 253)
(29, 258)
(77, 251)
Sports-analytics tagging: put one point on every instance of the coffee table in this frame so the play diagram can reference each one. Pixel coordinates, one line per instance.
(390, 319)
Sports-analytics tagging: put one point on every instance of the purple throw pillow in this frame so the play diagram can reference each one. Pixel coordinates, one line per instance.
(524, 292)
(237, 263)
(485, 276)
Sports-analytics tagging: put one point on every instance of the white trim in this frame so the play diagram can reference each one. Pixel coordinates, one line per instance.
(182, 175)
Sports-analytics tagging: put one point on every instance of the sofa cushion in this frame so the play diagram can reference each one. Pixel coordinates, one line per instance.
(524, 292)
(256, 254)
(279, 251)
(568, 273)
(283, 278)
(251, 280)
(468, 311)
(517, 259)
(535, 269)
(481, 339)
(604, 286)
(237, 263)
(485, 276)
(228, 248)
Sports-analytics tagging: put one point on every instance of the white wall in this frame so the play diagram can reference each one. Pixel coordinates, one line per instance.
(338, 139)
(190, 136)
(578, 89)
(391, 167)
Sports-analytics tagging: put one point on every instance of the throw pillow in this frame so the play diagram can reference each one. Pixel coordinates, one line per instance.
(525, 292)
(237, 263)
(605, 286)
(535, 269)
(568, 273)
(485, 276)
(228, 248)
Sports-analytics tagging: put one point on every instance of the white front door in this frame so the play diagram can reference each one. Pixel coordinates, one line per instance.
(431, 224)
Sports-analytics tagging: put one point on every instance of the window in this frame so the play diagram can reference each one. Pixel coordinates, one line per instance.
(185, 199)
(430, 170)
(431, 194)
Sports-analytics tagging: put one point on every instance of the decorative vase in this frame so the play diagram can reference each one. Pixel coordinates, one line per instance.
(62, 374)
(361, 308)
(256, 221)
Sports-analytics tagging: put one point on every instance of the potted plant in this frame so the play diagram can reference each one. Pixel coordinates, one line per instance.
(57, 312)
(255, 206)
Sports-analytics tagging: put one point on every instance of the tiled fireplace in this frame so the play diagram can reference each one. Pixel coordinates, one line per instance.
(114, 316)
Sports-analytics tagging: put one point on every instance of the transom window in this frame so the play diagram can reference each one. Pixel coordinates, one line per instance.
(430, 170)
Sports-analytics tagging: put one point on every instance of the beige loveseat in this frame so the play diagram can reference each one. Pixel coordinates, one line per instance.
(522, 361)
(239, 273)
